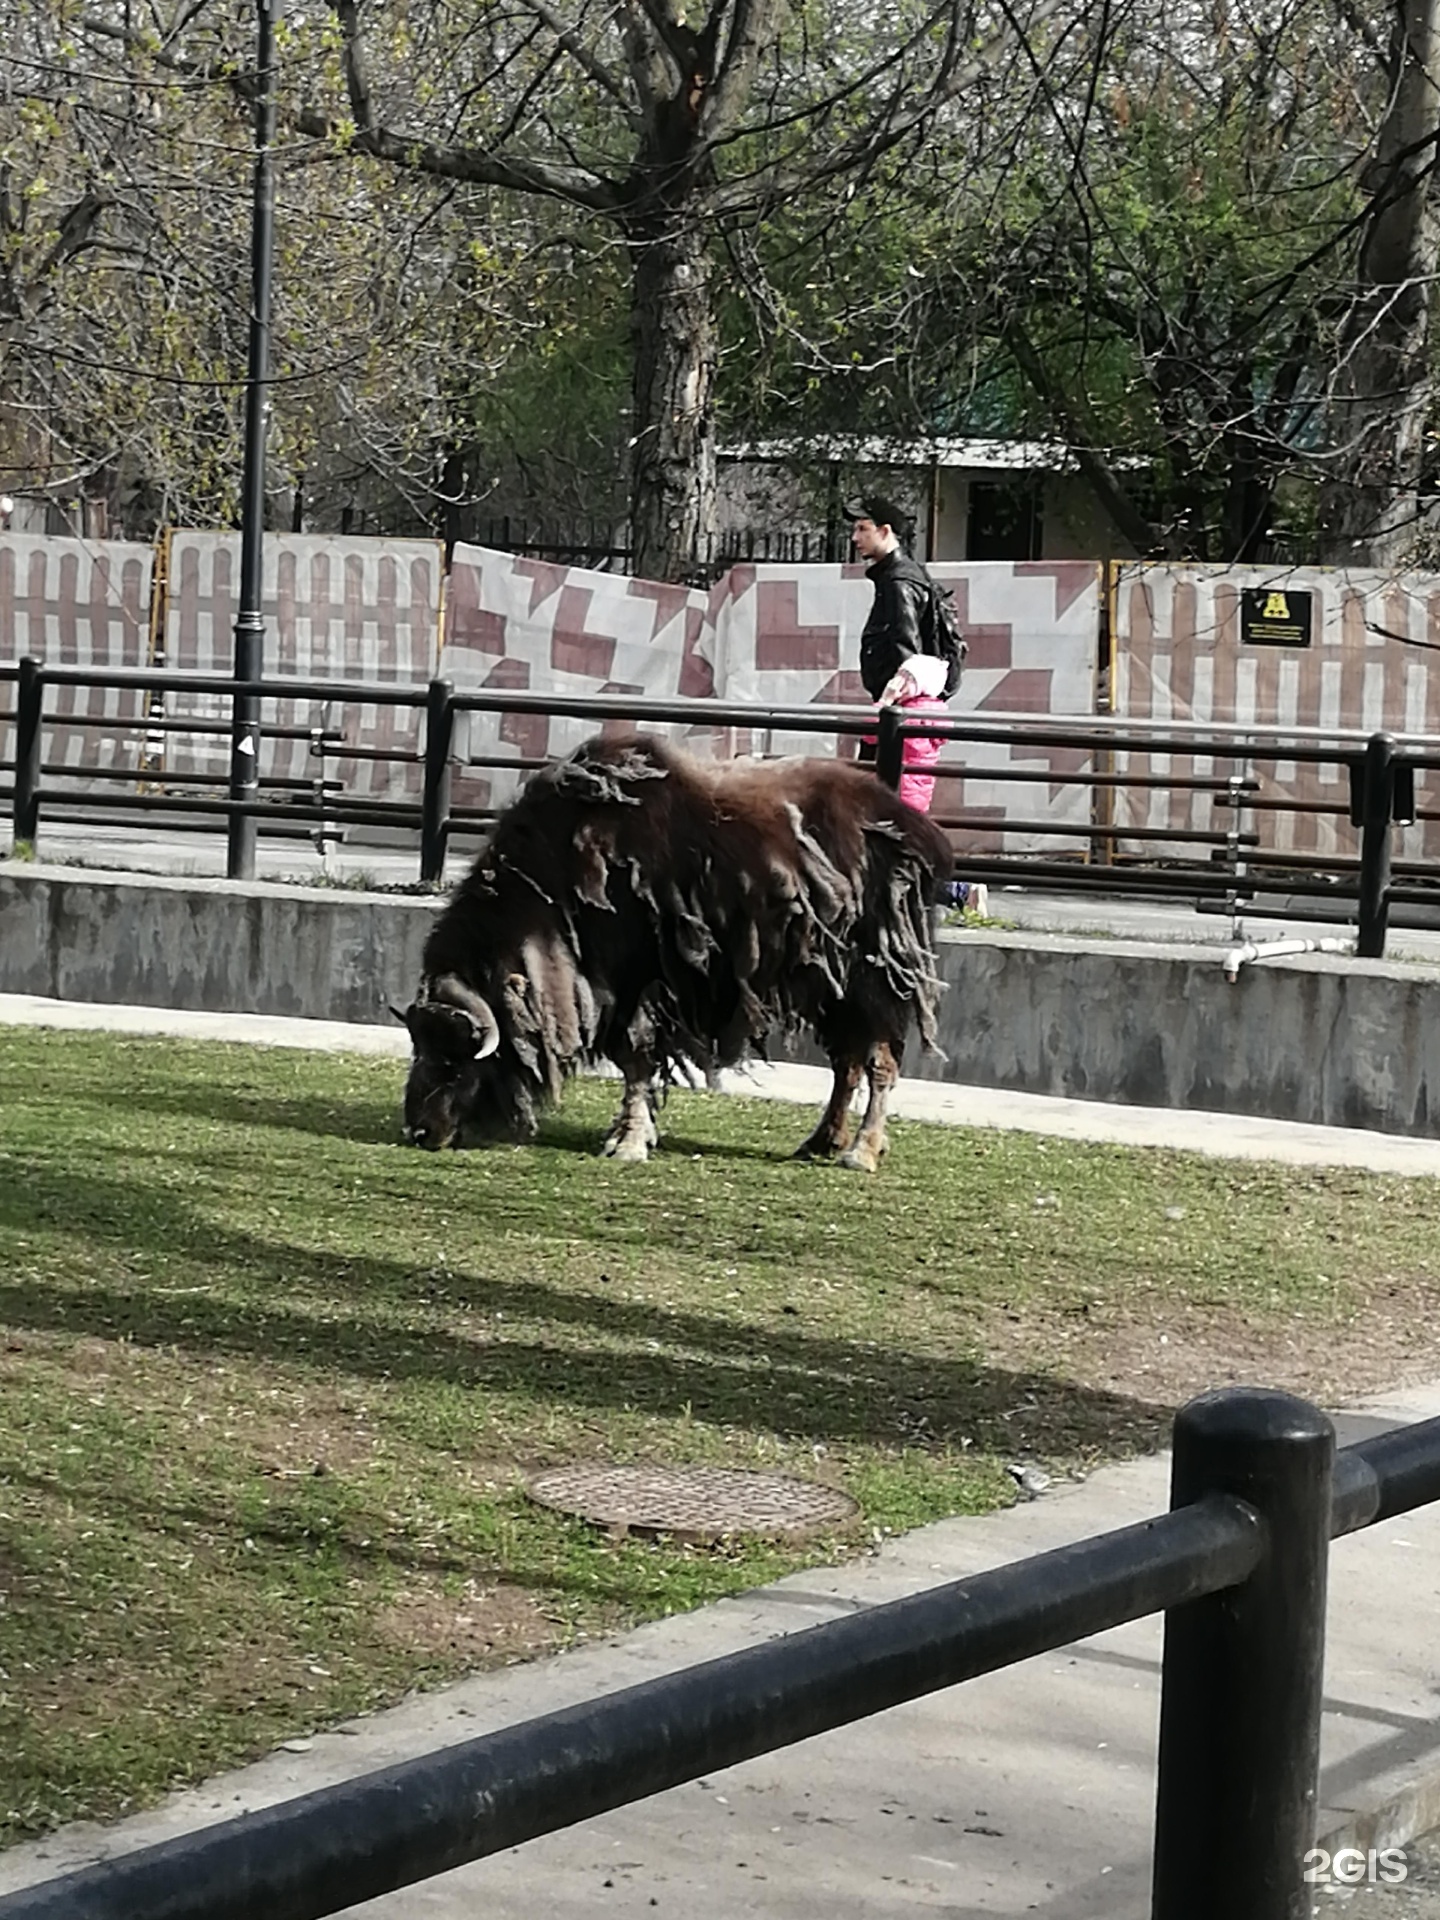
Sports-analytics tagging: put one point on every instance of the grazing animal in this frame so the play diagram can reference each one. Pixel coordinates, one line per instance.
(665, 913)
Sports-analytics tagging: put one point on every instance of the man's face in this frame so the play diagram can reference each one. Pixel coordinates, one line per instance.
(870, 541)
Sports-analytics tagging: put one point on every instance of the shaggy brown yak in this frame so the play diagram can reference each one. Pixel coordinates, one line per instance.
(665, 913)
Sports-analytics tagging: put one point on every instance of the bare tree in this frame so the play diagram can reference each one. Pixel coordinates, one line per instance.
(671, 131)
(125, 159)
(1380, 396)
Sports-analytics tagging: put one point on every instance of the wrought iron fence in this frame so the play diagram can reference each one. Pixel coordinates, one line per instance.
(1221, 869)
(606, 546)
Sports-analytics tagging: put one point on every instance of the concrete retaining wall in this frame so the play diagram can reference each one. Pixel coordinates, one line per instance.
(1315, 1038)
(208, 945)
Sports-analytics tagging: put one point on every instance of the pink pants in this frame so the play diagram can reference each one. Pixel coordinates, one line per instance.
(917, 782)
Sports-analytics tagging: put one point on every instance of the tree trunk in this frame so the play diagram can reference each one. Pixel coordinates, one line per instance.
(672, 484)
(1369, 506)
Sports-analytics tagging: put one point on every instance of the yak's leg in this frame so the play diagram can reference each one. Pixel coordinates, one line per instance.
(833, 1129)
(632, 1131)
(883, 1070)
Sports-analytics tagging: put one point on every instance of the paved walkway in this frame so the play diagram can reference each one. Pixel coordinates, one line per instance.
(1028, 1791)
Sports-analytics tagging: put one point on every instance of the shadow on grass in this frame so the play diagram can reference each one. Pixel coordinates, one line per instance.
(360, 1117)
(774, 1378)
(574, 1136)
(215, 1531)
(365, 1121)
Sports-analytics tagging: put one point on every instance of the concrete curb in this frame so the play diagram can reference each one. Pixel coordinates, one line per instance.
(1306, 1037)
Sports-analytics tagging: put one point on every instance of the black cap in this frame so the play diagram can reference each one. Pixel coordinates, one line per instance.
(884, 511)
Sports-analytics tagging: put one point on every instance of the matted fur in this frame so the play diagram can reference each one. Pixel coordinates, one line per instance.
(666, 913)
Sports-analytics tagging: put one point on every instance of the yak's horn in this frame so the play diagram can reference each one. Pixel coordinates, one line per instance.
(451, 991)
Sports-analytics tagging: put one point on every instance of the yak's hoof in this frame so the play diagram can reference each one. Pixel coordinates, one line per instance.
(624, 1147)
(859, 1158)
(816, 1149)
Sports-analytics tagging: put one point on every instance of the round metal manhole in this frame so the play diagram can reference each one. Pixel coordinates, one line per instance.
(696, 1504)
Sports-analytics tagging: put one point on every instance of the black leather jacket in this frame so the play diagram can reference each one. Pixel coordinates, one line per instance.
(892, 634)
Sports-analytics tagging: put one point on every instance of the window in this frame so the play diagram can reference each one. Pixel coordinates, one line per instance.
(1006, 520)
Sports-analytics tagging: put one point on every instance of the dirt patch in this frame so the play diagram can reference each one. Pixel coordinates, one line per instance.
(310, 1442)
(288, 1432)
(479, 1624)
(1163, 1354)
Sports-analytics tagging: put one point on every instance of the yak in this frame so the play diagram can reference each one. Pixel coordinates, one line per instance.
(637, 905)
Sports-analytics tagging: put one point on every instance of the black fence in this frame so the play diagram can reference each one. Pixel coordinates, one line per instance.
(1372, 889)
(606, 546)
(1222, 868)
(1238, 1565)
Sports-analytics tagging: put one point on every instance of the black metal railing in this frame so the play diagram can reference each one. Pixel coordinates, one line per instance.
(1222, 867)
(1238, 1565)
(1381, 769)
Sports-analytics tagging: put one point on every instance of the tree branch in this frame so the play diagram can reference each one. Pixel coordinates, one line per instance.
(680, 42)
(890, 128)
(473, 164)
(753, 25)
(1127, 517)
(596, 69)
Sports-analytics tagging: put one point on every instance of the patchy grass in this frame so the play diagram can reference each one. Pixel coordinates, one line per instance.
(269, 1383)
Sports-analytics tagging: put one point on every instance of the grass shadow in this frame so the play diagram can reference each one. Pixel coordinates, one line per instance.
(781, 1379)
(359, 1118)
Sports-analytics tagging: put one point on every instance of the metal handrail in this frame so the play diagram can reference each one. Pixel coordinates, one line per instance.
(1375, 764)
(1238, 1565)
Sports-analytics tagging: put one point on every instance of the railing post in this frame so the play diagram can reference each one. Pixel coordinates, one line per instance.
(29, 731)
(1377, 810)
(1241, 1689)
(889, 748)
(435, 810)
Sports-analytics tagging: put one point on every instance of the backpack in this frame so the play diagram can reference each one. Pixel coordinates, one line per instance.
(942, 634)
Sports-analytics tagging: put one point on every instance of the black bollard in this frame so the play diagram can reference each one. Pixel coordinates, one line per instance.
(1241, 1694)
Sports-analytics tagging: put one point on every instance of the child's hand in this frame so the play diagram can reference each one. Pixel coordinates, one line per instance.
(902, 686)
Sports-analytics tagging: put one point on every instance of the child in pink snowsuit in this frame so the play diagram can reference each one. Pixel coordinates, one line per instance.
(909, 690)
(895, 668)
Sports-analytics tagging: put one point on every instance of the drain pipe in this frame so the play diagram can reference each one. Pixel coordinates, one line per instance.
(1272, 949)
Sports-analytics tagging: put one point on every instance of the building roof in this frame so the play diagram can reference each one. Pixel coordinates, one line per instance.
(995, 456)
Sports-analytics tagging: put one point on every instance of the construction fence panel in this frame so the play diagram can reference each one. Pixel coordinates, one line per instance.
(335, 609)
(772, 635)
(79, 603)
(1369, 659)
(518, 625)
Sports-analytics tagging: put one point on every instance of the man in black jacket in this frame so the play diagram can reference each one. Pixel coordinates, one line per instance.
(895, 667)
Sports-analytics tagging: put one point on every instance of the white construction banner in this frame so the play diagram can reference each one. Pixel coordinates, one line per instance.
(335, 609)
(774, 635)
(1289, 647)
(79, 603)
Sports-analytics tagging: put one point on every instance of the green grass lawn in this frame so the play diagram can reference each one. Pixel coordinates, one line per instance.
(269, 1382)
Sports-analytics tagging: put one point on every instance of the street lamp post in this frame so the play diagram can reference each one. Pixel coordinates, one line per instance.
(250, 621)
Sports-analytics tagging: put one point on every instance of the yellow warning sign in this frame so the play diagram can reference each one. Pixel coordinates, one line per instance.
(1270, 617)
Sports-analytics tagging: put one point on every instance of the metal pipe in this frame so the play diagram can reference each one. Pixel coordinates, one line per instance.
(1390, 1473)
(250, 620)
(889, 747)
(1273, 949)
(1377, 808)
(435, 806)
(29, 729)
(332, 1849)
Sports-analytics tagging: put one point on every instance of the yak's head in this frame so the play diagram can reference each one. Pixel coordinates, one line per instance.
(453, 1032)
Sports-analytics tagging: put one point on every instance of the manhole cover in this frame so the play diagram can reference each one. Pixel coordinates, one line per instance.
(698, 1504)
